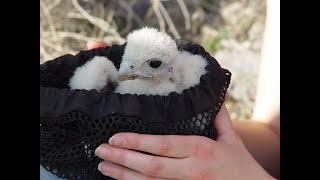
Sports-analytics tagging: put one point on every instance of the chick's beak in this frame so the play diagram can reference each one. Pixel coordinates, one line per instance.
(133, 76)
(128, 77)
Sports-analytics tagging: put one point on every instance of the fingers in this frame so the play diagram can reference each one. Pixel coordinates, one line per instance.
(149, 165)
(224, 127)
(119, 172)
(163, 145)
(96, 44)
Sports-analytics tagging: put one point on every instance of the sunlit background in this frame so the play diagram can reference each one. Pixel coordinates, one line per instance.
(231, 30)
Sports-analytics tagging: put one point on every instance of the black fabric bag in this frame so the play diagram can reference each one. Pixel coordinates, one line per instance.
(73, 123)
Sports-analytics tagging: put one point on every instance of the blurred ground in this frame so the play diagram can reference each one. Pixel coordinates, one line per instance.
(231, 30)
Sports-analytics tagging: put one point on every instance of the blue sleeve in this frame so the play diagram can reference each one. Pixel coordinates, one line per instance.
(46, 175)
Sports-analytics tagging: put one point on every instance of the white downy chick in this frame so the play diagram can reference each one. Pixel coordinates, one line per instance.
(152, 65)
(146, 66)
(97, 73)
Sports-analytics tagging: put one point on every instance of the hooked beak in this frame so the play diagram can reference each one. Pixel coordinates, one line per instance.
(133, 76)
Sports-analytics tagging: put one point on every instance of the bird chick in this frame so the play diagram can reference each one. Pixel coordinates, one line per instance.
(146, 66)
(98, 73)
(152, 65)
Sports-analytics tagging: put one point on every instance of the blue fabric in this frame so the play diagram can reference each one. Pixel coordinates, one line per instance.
(46, 175)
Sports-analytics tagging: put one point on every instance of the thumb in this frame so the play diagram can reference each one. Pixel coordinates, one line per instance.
(226, 133)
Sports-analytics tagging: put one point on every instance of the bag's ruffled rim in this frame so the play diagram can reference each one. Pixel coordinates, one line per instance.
(209, 94)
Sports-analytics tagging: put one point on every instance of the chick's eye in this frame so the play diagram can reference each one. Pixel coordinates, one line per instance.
(154, 63)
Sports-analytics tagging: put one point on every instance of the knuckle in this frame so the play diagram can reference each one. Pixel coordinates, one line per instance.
(154, 167)
(135, 144)
(135, 140)
(162, 148)
(121, 173)
(120, 157)
(204, 148)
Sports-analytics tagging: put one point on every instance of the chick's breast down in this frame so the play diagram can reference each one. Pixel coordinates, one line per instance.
(139, 87)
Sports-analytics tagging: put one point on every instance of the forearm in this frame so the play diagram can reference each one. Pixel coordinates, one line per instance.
(263, 142)
(267, 103)
(262, 136)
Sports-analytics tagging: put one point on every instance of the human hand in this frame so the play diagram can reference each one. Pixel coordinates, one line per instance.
(96, 44)
(180, 157)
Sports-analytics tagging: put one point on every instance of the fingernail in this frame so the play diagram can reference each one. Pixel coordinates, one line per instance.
(102, 152)
(99, 166)
(116, 141)
(96, 151)
(106, 168)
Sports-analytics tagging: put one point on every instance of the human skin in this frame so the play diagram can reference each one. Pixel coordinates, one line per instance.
(180, 157)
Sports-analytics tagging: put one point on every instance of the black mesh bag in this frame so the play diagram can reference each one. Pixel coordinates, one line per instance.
(73, 123)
